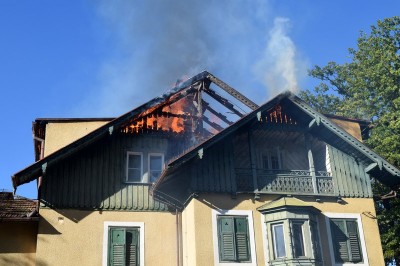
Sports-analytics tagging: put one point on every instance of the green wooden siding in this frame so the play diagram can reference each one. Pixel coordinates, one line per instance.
(349, 176)
(215, 171)
(95, 179)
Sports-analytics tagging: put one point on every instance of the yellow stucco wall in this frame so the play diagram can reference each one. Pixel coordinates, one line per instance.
(18, 243)
(197, 225)
(61, 134)
(71, 237)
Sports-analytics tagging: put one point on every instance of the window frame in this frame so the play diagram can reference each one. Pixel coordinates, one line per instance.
(348, 216)
(148, 165)
(286, 217)
(109, 224)
(274, 242)
(269, 154)
(302, 224)
(250, 224)
(128, 153)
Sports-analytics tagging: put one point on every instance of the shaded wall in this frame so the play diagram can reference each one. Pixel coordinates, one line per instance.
(18, 243)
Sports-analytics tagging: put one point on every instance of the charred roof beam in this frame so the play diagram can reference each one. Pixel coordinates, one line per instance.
(219, 115)
(222, 101)
(233, 92)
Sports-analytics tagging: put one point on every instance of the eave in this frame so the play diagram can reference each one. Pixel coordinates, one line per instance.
(38, 168)
(318, 124)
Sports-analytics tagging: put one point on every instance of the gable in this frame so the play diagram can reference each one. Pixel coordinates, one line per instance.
(284, 119)
(184, 110)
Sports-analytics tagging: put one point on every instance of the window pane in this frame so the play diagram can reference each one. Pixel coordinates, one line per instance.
(274, 160)
(298, 242)
(265, 161)
(155, 162)
(134, 161)
(134, 175)
(155, 167)
(279, 241)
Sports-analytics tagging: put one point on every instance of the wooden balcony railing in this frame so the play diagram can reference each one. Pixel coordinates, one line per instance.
(284, 181)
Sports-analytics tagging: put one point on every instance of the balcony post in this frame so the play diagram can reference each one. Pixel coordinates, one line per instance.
(311, 162)
(253, 160)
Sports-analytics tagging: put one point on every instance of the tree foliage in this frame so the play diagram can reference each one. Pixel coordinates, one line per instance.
(368, 87)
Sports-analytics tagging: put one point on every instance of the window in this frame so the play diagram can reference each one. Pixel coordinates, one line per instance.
(279, 241)
(298, 239)
(123, 246)
(346, 239)
(291, 232)
(271, 159)
(233, 236)
(156, 162)
(123, 243)
(134, 171)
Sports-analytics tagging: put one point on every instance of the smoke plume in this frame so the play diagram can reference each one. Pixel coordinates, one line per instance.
(279, 68)
(160, 41)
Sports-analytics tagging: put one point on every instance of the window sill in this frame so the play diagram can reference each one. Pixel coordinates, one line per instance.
(139, 183)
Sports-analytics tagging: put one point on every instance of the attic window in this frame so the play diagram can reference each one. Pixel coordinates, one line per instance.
(134, 170)
(272, 159)
(156, 161)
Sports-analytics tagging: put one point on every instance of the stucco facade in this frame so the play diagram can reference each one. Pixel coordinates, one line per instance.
(198, 227)
(18, 243)
(71, 237)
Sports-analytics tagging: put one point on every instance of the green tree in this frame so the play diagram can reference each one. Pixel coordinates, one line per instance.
(368, 87)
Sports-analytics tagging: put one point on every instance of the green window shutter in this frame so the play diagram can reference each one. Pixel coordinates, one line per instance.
(226, 237)
(354, 241)
(117, 246)
(338, 231)
(346, 241)
(132, 247)
(123, 246)
(233, 238)
(242, 239)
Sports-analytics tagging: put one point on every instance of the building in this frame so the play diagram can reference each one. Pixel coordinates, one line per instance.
(18, 229)
(203, 176)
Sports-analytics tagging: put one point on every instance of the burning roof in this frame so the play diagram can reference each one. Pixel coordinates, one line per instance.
(201, 107)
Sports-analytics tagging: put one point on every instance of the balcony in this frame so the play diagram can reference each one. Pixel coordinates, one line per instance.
(285, 181)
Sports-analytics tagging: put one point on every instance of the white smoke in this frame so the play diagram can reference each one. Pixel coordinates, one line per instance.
(160, 41)
(280, 67)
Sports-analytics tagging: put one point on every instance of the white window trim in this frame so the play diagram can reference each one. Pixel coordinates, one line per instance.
(273, 225)
(127, 166)
(249, 215)
(356, 216)
(265, 240)
(148, 163)
(109, 224)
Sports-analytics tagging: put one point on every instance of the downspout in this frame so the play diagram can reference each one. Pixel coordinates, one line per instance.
(41, 156)
(178, 238)
(39, 180)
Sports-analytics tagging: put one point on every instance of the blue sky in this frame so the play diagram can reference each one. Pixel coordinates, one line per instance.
(102, 58)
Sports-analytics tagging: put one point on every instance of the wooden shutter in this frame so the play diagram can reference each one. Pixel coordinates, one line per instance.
(117, 247)
(338, 231)
(242, 239)
(226, 237)
(354, 241)
(346, 241)
(132, 247)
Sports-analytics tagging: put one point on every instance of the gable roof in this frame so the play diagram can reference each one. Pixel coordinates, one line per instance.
(17, 208)
(181, 90)
(318, 125)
